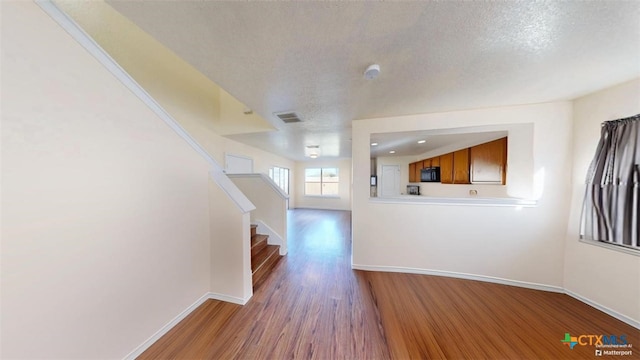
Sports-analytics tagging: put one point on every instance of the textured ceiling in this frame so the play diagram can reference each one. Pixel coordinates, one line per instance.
(309, 57)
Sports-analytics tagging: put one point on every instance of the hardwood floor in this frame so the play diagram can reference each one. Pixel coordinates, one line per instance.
(315, 307)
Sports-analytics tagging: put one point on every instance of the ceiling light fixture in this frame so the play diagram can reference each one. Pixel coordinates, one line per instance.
(392, 152)
(313, 156)
(422, 141)
(374, 144)
(372, 72)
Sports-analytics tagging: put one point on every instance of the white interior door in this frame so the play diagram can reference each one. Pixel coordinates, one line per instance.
(390, 182)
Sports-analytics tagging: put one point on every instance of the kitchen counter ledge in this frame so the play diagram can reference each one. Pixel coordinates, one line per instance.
(468, 201)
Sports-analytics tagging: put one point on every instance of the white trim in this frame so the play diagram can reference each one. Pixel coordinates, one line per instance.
(428, 200)
(614, 247)
(491, 279)
(453, 274)
(227, 298)
(274, 237)
(264, 178)
(186, 312)
(232, 190)
(165, 329)
(114, 68)
(323, 196)
(604, 309)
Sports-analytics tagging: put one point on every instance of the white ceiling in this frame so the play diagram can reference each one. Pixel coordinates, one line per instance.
(309, 57)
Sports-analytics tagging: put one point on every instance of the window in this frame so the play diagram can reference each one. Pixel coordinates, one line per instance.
(281, 177)
(611, 208)
(321, 181)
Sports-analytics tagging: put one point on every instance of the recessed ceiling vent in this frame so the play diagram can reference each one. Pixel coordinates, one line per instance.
(288, 117)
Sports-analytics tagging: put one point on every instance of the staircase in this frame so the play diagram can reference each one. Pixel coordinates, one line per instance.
(264, 257)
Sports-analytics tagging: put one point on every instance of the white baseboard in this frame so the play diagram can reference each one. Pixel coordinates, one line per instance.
(604, 309)
(524, 284)
(227, 298)
(274, 237)
(459, 275)
(165, 329)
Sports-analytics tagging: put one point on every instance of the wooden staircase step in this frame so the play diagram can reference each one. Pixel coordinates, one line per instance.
(263, 262)
(258, 242)
(262, 256)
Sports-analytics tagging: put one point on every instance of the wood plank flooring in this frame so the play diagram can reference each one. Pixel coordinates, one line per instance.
(315, 307)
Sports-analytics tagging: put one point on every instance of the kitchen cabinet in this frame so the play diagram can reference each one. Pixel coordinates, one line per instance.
(482, 164)
(461, 166)
(489, 162)
(412, 172)
(418, 170)
(446, 168)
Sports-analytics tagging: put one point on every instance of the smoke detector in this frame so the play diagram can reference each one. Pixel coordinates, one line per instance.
(372, 72)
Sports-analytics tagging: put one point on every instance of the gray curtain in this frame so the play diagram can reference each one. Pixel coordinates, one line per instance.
(611, 204)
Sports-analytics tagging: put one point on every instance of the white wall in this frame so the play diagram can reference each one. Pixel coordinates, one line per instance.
(607, 277)
(199, 105)
(521, 244)
(231, 277)
(270, 203)
(262, 161)
(342, 201)
(105, 229)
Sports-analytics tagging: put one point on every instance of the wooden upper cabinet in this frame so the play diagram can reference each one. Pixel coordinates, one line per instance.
(412, 172)
(461, 166)
(418, 170)
(488, 162)
(482, 164)
(446, 168)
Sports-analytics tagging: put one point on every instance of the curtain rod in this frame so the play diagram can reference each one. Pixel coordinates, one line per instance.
(623, 120)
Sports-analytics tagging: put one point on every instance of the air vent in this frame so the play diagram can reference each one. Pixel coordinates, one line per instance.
(288, 117)
(313, 146)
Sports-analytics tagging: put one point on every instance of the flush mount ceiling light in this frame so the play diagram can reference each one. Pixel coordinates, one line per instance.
(372, 72)
(392, 152)
(313, 151)
(374, 144)
(422, 141)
